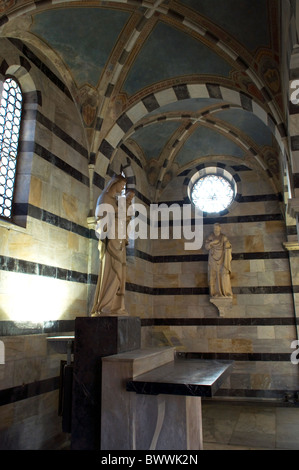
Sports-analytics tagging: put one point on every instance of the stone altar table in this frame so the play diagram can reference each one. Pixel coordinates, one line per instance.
(165, 411)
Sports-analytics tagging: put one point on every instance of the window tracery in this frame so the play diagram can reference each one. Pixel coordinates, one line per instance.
(212, 193)
(10, 122)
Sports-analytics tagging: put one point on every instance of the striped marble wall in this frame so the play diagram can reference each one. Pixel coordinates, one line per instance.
(44, 252)
(167, 286)
(49, 261)
(44, 277)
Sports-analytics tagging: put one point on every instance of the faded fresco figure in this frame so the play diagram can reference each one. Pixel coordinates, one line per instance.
(109, 297)
(219, 264)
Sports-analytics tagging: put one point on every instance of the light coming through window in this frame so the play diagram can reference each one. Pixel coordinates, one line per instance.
(10, 120)
(212, 193)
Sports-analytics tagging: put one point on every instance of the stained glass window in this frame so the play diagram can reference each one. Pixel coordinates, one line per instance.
(10, 121)
(212, 193)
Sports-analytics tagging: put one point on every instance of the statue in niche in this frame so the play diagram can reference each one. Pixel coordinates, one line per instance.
(110, 289)
(219, 265)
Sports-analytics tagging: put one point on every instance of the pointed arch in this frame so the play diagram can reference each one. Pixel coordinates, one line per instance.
(130, 119)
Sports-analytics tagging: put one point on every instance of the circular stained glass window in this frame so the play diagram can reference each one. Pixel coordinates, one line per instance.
(212, 193)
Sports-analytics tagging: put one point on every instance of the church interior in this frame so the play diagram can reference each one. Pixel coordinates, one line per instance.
(166, 93)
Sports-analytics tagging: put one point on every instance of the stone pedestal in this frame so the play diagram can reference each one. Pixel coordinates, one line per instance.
(223, 304)
(96, 337)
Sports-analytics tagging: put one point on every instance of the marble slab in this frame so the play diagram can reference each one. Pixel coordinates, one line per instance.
(189, 377)
(141, 361)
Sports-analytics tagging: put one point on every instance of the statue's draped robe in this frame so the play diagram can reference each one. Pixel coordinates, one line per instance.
(110, 290)
(220, 256)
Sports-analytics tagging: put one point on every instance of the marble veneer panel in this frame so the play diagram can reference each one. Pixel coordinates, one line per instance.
(29, 383)
(96, 337)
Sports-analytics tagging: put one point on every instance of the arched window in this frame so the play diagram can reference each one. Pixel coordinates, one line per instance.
(10, 121)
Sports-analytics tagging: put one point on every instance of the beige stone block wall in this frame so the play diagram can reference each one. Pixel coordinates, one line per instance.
(59, 202)
(31, 422)
(44, 262)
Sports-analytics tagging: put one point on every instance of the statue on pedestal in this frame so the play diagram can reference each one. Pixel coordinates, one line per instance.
(112, 234)
(219, 265)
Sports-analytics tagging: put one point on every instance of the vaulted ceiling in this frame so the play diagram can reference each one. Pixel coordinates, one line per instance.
(113, 54)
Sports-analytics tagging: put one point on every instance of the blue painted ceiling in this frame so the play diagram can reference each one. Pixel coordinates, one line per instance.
(94, 47)
(81, 38)
(246, 20)
(169, 53)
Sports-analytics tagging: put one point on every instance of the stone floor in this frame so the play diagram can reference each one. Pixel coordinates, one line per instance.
(233, 425)
(238, 426)
(211, 447)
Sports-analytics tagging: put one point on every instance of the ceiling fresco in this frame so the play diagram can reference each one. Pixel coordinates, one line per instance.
(153, 148)
(81, 38)
(205, 141)
(120, 56)
(169, 53)
(249, 124)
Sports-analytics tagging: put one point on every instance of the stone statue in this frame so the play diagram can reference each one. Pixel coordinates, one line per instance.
(110, 290)
(219, 265)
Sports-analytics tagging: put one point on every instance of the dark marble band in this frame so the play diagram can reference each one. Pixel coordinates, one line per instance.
(12, 328)
(24, 391)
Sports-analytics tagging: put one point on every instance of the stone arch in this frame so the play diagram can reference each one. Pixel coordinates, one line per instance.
(205, 117)
(130, 119)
